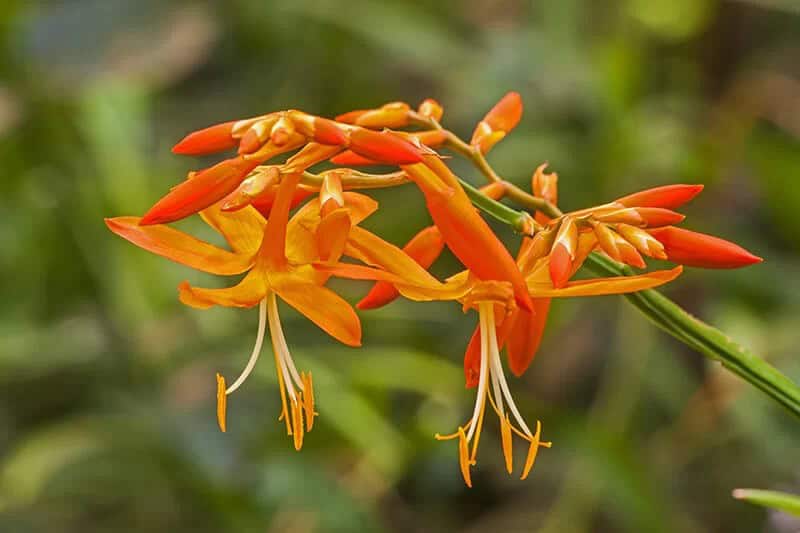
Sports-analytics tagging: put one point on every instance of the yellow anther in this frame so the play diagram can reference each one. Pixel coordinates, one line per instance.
(297, 423)
(463, 456)
(308, 399)
(222, 402)
(533, 450)
(505, 435)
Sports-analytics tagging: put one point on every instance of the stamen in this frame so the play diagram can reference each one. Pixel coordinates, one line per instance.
(221, 402)
(463, 457)
(297, 424)
(505, 435)
(308, 400)
(251, 363)
(533, 450)
(273, 327)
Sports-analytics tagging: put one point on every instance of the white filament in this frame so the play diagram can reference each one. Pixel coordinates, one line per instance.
(287, 368)
(251, 363)
(483, 376)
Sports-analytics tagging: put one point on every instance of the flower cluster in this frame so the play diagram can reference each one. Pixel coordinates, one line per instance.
(288, 229)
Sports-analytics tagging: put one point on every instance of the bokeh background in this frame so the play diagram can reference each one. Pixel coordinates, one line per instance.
(107, 398)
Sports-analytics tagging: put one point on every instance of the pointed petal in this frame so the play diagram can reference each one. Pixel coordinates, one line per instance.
(180, 247)
(472, 359)
(603, 286)
(373, 250)
(273, 247)
(384, 146)
(526, 335)
(202, 190)
(322, 306)
(332, 234)
(560, 265)
(243, 229)
(247, 293)
(424, 248)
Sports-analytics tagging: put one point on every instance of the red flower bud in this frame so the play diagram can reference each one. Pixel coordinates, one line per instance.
(349, 158)
(385, 147)
(202, 190)
(206, 141)
(668, 196)
(700, 250)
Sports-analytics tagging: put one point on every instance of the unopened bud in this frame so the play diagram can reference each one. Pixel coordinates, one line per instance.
(643, 241)
(430, 108)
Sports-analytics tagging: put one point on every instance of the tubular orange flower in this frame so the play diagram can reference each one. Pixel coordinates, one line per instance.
(495, 301)
(277, 257)
(464, 231)
(391, 115)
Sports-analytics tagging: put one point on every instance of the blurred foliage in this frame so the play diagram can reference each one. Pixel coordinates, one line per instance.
(107, 398)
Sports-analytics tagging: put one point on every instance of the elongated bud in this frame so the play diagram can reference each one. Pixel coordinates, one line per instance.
(207, 141)
(642, 241)
(282, 131)
(385, 147)
(308, 156)
(256, 135)
(424, 248)
(668, 196)
(391, 115)
(202, 190)
(650, 217)
(330, 193)
(500, 120)
(349, 158)
(627, 252)
(607, 239)
(318, 129)
(700, 250)
(430, 138)
(495, 190)
(252, 187)
(430, 108)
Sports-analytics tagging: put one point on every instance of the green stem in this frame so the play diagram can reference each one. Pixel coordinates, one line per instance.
(520, 221)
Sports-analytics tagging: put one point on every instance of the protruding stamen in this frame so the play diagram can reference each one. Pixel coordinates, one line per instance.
(222, 402)
(251, 363)
(308, 399)
(534, 450)
(297, 424)
(463, 457)
(505, 435)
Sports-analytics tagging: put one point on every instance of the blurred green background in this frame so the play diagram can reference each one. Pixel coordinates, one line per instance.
(107, 399)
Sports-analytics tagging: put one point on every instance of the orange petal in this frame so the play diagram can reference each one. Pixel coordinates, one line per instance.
(506, 114)
(392, 115)
(180, 247)
(208, 140)
(373, 250)
(424, 248)
(466, 233)
(526, 335)
(247, 293)
(668, 196)
(700, 250)
(603, 286)
(328, 132)
(263, 203)
(202, 190)
(472, 359)
(243, 229)
(322, 306)
(273, 247)
(332, 234)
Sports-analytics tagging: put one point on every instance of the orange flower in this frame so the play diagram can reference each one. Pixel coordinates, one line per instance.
(277, 257)
(496, 303)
